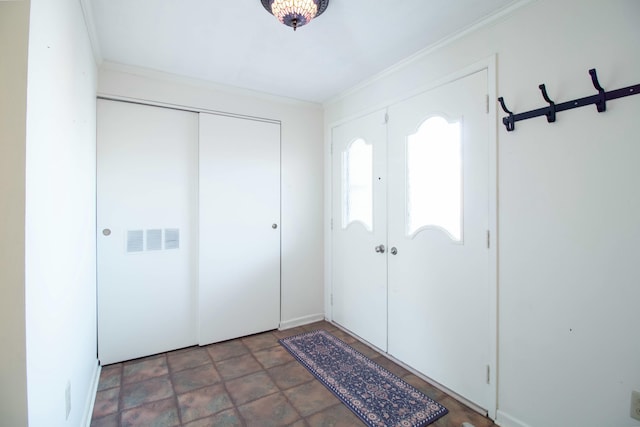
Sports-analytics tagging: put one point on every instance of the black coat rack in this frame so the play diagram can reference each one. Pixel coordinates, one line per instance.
(600, 100)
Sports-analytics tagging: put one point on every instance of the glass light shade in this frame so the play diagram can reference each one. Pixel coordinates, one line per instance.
(295, 13)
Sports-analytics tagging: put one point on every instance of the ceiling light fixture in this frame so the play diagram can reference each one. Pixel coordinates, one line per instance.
(295, 13)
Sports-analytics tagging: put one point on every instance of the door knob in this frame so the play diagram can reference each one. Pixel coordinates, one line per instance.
(394, 250)
(106, 232)
(274, 226)
(380, 249)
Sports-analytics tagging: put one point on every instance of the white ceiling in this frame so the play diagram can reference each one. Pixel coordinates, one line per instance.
(238, 43)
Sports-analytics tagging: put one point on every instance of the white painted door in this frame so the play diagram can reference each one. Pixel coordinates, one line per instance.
(439, 299)
(146, 222)
(359, 285)
(239, 205)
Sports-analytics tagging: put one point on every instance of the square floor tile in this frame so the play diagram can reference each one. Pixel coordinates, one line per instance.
(112, 420)
(110, 376)
(226, 350)
(260, 341)
(195, 378)
(136, 394)
(203, 402)
(289, 332)
(335, 416)
(187, 358)
(273, 356)
(323, 324)
(250, 387)
(290, 375)
(163, 413)
(238, 366)
(106, 402)
(270, 411)
(228, 418)
(143, 369)
(310, 398)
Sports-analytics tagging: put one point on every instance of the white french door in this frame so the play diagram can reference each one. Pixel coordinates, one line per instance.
(239, 216)
(439, 298)
(427, 299)
(360, 228)
(146, 224)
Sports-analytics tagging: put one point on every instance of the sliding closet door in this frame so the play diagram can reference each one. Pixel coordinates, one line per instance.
(439, 296)
(359, 285)
(239, 214)
(146, 222)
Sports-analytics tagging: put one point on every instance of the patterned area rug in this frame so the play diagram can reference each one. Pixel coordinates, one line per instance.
(374, 394)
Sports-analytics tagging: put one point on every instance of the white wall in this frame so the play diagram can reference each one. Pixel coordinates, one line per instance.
(60, 214)
(14, 37)
(569, 205)
(302, 169)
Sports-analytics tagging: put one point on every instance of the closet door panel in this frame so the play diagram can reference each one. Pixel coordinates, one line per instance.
(146, 222)
(239, 235)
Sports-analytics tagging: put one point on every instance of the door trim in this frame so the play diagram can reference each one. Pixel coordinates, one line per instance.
(489, 64)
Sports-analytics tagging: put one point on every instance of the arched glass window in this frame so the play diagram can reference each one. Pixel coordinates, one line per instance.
(357, 184)
(434, 178)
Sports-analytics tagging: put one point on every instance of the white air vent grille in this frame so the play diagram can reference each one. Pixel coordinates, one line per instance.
(135, 241)
(171, 238)
(154, 240)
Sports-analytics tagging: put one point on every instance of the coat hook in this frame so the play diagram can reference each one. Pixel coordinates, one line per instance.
(509, 121)
(601, 103)
(552, 108)
(504, 107)
(551, 114)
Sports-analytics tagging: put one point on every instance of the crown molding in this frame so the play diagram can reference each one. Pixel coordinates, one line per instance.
(162, 76)
(87, 12)
(426, 51)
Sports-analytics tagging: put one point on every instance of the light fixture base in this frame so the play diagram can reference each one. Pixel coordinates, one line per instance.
(297, 13)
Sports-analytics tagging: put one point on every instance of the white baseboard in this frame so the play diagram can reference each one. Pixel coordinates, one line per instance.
(304, 320)
(91, 397)
(506, 420)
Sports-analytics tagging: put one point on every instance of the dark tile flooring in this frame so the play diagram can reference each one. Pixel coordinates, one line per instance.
(251, 381)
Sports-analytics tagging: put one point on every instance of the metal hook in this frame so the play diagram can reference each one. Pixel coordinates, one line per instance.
(601, 103)
(504, 107)
(509, 121)
(551, 114)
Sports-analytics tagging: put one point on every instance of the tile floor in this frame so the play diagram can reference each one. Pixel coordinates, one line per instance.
(250, 381)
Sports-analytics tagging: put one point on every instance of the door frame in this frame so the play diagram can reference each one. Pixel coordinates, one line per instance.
(490, 65)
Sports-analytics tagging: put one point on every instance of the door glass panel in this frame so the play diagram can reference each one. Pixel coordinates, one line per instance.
(434, 178)
(357, 184)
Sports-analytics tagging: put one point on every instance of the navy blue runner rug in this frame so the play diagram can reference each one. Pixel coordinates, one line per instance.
(378, 397)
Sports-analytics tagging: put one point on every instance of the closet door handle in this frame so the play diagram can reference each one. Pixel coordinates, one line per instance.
(380, 249)
(394, 251)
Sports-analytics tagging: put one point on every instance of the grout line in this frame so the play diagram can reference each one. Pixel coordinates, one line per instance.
(173, 388)
(120, 396)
